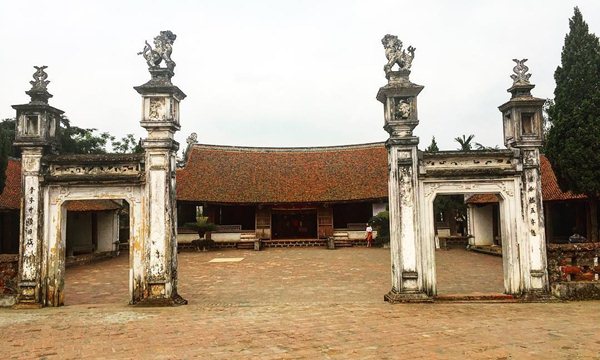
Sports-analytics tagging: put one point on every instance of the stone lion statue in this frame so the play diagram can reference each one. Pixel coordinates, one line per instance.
(395, 54)
(163, 47)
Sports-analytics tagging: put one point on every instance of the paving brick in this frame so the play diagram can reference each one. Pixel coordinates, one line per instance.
(297, 304)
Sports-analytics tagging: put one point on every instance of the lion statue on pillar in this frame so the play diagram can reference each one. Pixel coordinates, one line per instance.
(395, 54)
(163, 47)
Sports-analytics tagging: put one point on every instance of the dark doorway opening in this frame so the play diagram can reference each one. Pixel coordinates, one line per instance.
(468, 256)
(294, 224)
(96, 242)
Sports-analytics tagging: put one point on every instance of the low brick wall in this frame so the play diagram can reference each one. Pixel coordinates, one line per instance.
(574, 270)
(9, 270)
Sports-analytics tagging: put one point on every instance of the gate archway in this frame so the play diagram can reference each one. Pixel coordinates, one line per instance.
(415, 178)
(146, 181)
(509, 209)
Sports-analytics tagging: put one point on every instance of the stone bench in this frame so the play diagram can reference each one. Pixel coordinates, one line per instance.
(447, 241)
(80, 249)
(239, 240)
(228, 228)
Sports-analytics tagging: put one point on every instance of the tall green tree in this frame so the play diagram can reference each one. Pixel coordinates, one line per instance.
(572, 144)
(433, 147)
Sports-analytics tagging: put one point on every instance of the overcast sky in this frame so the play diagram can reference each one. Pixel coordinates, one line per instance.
(285, 73)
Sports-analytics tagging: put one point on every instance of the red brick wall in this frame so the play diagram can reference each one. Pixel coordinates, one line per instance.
(573, 262)
(9, 270)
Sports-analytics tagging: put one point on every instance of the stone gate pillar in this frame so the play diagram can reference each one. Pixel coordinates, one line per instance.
(523, 132)
(36, 124)
(399, 98)
(160, 117)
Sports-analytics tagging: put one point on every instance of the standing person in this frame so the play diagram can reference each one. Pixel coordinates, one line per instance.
(369, 235)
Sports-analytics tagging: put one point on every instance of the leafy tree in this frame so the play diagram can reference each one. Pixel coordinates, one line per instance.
(433, 147)
(4, 149)
(572, 143)
(7, 135)
(450, 207)
(381, 223)
(76, 140)
(547, 121)
(127, 144)
(72, 140)
(465, 142)
(449, 203)
(7, 126)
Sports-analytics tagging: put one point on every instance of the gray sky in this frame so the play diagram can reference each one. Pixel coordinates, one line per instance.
(285, 73)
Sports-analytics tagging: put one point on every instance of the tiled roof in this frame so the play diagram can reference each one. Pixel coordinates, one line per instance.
(10, 199)
(227, 174)
(483, 199)
(92, 205)
(550, 189)
(11, 195)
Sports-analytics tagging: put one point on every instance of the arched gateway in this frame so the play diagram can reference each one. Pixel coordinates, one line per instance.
(416, 178)
(147, 183)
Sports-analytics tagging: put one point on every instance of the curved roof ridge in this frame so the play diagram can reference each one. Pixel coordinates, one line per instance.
(290, 149)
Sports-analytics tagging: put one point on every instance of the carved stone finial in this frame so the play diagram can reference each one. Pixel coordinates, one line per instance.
(520, 77)
(39, 86)
(39, 82)
(163, 47)
(396, 55)
(192, 139)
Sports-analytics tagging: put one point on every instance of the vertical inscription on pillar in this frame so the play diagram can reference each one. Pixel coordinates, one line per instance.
(30, 208)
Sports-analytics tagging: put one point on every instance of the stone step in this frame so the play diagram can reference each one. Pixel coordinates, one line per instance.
(245, 245)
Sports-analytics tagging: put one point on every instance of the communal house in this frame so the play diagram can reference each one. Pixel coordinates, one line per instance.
(293, 196)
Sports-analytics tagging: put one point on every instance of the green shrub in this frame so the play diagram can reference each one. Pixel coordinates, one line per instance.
(381, 223)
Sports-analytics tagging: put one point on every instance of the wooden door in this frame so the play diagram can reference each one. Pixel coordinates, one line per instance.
(325, 222)
(263, 223)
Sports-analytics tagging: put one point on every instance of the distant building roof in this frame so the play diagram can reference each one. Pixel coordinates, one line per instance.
(483, 199)
(550, 189)
(243, 175)
(10, 198)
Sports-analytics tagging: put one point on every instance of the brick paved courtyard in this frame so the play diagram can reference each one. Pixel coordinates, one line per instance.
(306, 303)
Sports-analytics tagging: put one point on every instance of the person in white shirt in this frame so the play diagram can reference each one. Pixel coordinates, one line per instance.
(369, 235)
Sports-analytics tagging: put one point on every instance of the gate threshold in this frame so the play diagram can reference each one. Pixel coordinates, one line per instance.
(476, 297)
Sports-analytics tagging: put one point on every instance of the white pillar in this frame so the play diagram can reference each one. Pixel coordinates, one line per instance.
(31, 230)
(160, 117)
(399, 98)
(533, 217)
